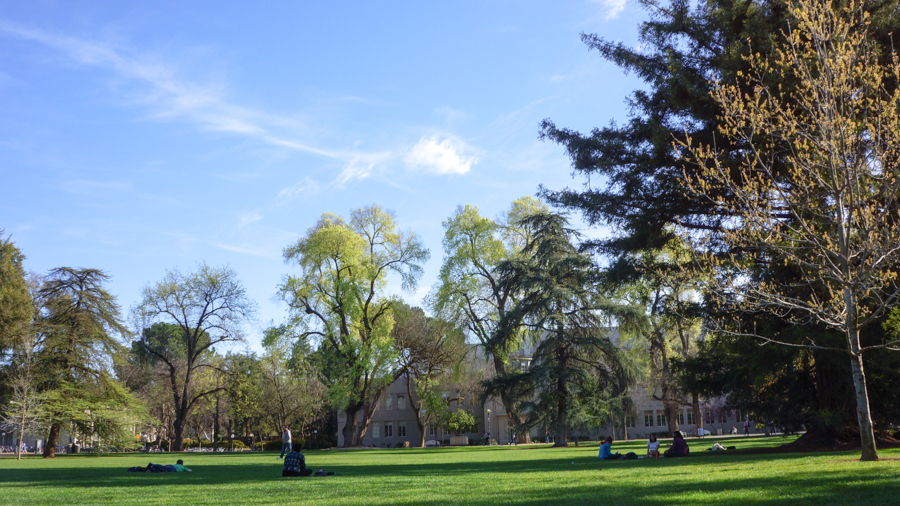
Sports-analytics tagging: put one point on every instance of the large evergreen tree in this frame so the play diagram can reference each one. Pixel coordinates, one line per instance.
(79, 325)
(574, 364)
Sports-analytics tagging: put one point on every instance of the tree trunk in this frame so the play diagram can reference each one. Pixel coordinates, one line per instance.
(698, 416)
(670, 408)
(625, 428)
(349, 430)
(561, 411)
(863, 415)
(368, 412)
(178, 444)
(215, 446)
(52, 442)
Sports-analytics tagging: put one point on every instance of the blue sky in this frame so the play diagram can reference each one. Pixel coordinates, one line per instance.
(137, 137)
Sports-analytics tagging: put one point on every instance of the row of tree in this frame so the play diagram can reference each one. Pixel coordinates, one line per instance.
(753, 199)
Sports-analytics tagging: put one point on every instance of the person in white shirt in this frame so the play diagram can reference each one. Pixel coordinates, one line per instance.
(653, 447)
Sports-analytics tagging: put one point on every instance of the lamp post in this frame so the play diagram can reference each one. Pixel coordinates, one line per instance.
(232, 443)
(488, 429)
(316, 438)
(252, 441)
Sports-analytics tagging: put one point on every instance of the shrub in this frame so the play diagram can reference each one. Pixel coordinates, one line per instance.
(461, 421)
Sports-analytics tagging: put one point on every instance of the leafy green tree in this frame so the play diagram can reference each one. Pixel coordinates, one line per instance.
(430, 352)
(16, 305)
(461, 421)
(574, 363)
(661, 281)
(468, 291)
(340, 300)
(245, 392)
(292, 391)
(208, 307)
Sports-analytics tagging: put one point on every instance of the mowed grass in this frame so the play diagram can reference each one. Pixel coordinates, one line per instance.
(477, 475)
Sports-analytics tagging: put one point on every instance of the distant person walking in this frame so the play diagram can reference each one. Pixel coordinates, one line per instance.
(746, 427)
(285, 442)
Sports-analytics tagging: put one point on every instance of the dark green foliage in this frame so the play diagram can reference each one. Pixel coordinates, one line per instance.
(16, 307)
(78, 322)
(461, 421)
(574, 367)
(633, 180)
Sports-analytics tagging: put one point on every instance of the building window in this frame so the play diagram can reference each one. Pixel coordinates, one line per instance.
(376, 430)
(661, 418)
(388, 429)
(401, 402)
(680, 417)
(690, 416)
(709, 417)
(648, 419)
(629, 421)
(723, 416)
(388, 403)
(432, 430)
(401, 429)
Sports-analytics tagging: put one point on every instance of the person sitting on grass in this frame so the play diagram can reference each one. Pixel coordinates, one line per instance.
(295, 463)
(606, 451)
(653, 447)
(678, 448)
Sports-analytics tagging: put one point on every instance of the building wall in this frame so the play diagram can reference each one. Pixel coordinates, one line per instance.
(394, 411)
(394, 420)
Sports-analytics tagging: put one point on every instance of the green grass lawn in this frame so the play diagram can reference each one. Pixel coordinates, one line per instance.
(478, 475)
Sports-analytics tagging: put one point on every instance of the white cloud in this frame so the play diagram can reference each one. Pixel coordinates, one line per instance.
(436, 156)
(613, 7)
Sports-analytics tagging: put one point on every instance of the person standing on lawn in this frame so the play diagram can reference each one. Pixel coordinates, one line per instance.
(285, 442)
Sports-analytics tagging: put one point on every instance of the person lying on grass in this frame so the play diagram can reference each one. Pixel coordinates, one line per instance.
(159, 468)
(678, 448)
(606, 451)
(295, 463)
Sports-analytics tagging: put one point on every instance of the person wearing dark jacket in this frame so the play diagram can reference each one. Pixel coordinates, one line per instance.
(295, 463)
(678, 448)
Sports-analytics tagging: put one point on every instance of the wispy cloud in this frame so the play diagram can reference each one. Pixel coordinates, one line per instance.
(170, 96)
(306, 187)
(441, 156)
(613, 7)
(249, 219)
(258, 251)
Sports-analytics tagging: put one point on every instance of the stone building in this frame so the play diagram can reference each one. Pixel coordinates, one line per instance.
(394, 422)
